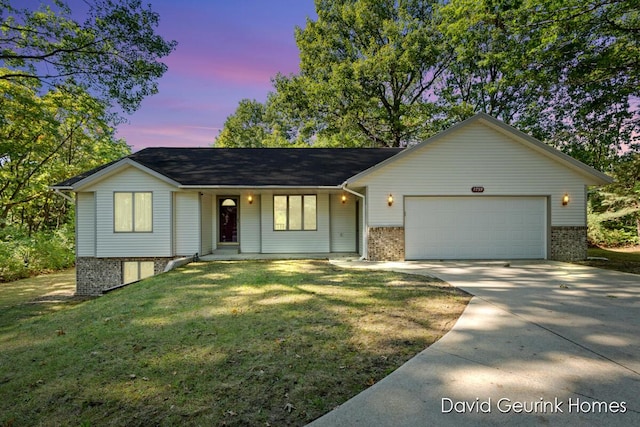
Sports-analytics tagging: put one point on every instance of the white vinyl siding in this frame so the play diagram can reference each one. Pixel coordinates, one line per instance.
(206, 225)
(150, 244)
(343, 224)
(475, 155)
(475, 227)
(299, 241)
(187, 222)
(250, 223)
(85, 225)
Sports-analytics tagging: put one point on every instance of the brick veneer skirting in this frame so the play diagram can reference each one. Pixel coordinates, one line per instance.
(568, 243)
(386, 244)
(93, 275)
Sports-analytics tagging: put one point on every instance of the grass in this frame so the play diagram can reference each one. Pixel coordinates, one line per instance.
(37, 295)
(617, 259)
(230, 343)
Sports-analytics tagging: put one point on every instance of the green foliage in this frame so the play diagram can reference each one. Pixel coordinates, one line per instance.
(614, 210)
(114, 52)
(367, 69)
(22, 255)
(491, 69)
(45, 139)
(387, 73)
(526, 63)
(610, 234)
(59, 79)
(249, 127)
(369, 66)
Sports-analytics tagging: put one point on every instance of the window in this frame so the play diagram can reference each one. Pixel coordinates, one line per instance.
(132, 212)
(294, 213)
(136, 270)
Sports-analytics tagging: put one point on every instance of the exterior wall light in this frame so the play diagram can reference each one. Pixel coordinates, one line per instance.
(390, 200)
(343, 199)
(250, 199)
(565, 199)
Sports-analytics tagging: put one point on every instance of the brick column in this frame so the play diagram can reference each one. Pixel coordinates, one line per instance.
(568, 243)
(386, 244)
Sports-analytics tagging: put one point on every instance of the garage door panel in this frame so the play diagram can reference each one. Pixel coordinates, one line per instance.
(475, 227)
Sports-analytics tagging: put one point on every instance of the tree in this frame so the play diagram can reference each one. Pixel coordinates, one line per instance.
(593, 49)
(391, 73)
(619, 203)
(43, 140)
(251, 126)
(517, 61)
(114, 53)
(244, 128)
(367, 67)
(490, 69)
(59, 81)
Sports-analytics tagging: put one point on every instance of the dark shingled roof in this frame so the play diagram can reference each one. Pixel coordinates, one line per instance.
(251, 167)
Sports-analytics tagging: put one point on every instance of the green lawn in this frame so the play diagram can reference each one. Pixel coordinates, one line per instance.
(621, 260)
(228, 343)
(37, 295)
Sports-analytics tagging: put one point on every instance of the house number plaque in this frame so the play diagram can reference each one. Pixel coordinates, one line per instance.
(477, 189)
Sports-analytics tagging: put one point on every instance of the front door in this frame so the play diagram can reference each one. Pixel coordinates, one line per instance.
(228, 220)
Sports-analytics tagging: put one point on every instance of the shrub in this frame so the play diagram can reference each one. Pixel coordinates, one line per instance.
(599, 234)
(23, 256)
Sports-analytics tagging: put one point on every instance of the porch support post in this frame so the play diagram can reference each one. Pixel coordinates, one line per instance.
(365, 237)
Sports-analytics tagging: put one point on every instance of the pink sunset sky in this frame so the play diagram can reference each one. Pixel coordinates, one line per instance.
(227, 50)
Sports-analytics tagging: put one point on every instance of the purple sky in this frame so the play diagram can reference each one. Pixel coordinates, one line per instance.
(227, 50)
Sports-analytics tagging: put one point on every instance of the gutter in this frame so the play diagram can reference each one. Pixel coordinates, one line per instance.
(259, 187)
(365, 236)
(61, 194)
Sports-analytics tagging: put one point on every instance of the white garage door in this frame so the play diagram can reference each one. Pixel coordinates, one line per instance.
(475, 227)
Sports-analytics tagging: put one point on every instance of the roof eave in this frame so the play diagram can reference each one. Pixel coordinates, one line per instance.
(61, 187)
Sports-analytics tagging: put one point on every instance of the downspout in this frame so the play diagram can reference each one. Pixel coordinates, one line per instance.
(365, 237)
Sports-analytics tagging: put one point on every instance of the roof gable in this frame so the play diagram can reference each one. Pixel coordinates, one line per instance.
(102, 172)
(512, 133)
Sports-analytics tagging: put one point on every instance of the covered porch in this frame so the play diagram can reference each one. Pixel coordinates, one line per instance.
(257, 223)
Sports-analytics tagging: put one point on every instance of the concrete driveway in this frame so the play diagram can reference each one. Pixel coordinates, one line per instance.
(541, 343)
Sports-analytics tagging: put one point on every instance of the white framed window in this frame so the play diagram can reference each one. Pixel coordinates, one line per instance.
(136, 270)
(133, 212)
(295, 212)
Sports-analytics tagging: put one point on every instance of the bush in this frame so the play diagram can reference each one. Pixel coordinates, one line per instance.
(23, 256)
(599, 234)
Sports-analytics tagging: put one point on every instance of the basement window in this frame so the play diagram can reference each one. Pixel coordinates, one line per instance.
(133, 271)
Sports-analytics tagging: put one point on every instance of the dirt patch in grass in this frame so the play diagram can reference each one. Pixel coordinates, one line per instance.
(226, 343)
(620, 259)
